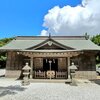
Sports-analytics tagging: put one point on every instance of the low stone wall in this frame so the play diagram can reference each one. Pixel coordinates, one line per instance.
(86, 74)
(13, 73)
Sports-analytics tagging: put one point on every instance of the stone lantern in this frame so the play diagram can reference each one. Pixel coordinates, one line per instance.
(26, 71)
(73, 68)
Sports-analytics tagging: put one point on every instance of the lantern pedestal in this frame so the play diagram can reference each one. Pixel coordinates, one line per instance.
(72, 73)
(26, 70)
(73, 83)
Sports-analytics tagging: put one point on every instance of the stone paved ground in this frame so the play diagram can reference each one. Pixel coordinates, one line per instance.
(11, 89)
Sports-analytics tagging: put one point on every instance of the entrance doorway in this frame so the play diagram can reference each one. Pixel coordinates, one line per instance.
(46, 64)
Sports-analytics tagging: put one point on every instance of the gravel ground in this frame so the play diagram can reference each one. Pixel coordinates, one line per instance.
(2, 72)
(12, 90)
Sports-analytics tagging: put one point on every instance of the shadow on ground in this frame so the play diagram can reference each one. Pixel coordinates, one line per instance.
(96, 81)
(10, 90)
(2, 76)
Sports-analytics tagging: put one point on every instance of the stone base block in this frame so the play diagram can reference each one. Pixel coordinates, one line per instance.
(86, 74)
(13, 73)
(25, 82)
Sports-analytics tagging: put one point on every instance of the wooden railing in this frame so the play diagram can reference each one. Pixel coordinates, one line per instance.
(61, 74)
(58, 74)
(40, 74)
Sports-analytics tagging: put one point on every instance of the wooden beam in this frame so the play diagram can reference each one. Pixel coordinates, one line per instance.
(50, 54)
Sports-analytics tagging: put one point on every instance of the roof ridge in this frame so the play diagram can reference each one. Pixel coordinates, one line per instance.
(53, 37)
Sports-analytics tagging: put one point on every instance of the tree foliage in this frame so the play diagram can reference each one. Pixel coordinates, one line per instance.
(5, 41)
(3, 54)
(96, 40)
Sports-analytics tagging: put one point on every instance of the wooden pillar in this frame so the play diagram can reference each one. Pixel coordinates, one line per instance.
(93, 62)
(31, 64)
(68, 59)
(8, 62)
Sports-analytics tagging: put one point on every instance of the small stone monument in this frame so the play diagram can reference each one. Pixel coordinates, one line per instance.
(72, 72)
(26, 70)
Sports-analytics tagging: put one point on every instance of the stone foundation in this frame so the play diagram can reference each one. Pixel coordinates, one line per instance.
(86, 74)
(13, 73)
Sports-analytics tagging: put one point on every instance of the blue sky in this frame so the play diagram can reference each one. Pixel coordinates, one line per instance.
(25, 17)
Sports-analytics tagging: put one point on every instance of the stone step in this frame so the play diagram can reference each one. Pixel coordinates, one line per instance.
(50, 81)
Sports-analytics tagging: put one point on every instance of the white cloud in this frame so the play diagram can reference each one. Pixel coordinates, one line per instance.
(44, 33)
(74, 20)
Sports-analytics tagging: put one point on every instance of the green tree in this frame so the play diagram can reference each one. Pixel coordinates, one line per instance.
(96, 40)
(3, 54)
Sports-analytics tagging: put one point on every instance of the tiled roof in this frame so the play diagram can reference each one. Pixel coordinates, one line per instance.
(24, 42)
